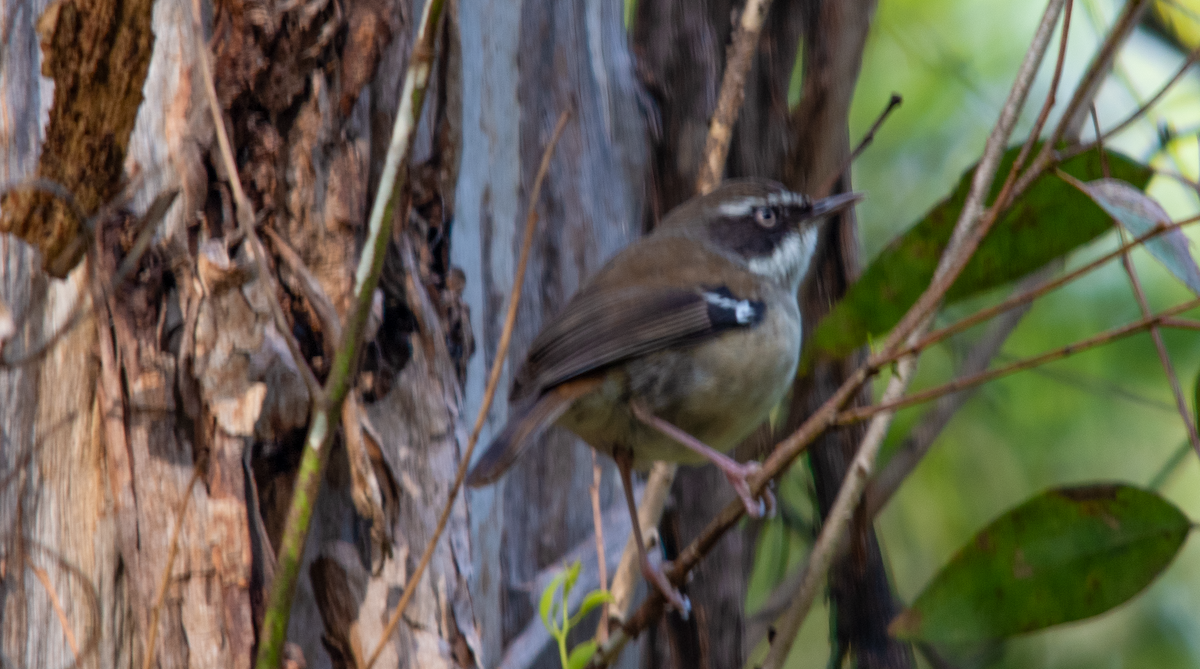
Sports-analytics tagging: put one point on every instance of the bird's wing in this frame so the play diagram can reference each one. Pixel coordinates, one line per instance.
(605, 326)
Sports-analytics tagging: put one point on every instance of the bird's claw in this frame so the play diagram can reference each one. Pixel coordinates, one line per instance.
(655, 577)
(764, 505)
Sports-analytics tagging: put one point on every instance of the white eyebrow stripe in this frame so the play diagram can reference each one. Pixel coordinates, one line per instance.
(743, 206)
(740, 207)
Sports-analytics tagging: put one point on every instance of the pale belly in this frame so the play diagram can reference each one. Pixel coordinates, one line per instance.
(718, 392)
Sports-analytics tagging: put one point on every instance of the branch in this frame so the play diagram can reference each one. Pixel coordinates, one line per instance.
(1163, 318)
(921, 438)
(837, 522)
(1072, 119)
(826, 188)
(1034, 293)
(326, 406)
(510, 320)
(733, 91)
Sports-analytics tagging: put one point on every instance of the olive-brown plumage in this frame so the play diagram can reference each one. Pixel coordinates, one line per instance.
(681, 344)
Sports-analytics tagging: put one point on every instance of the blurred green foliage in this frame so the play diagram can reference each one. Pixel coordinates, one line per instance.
(1101, 416)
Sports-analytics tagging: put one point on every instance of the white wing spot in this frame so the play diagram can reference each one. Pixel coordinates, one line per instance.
(743, 311)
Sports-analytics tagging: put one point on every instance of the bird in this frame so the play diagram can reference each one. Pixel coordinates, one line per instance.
(678, 347)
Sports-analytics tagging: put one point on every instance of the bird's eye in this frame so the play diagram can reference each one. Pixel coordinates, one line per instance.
(765, 216)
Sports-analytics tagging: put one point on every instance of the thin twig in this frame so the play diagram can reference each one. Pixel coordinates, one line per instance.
(862, 413)
(1141, 111)
(1023, 298)
(245, 219)
(1051, 96)
(1074, 115)
(601, 563)
(654, 499)
(58, 609)
(837, 521)
(510, 320)
(1161, 348)
(884, 484)
(733, 91)
(310, 286)
(325, 413)
(165, 580)
(826, 188)
(961, 247)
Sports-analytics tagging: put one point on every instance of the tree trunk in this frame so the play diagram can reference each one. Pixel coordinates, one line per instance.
(523, 66)
(178, 386)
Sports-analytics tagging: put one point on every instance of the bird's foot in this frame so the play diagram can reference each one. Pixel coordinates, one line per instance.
(656, 578)
(738, 475)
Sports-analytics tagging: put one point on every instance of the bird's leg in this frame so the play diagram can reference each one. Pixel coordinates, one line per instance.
(736, 472)
(653, 574)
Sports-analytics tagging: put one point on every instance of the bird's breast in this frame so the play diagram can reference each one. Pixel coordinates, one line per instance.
(718, 390)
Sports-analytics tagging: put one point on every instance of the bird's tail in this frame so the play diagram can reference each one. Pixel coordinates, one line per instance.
(523, 427)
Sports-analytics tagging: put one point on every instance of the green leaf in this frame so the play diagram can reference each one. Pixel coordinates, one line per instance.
(1064, 555)
(1050, 220)
(581, 654)
(547, 602)
(594, 599)
(572, 576)
(1140, 214)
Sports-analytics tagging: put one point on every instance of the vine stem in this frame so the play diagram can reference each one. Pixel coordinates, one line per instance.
(326, 409)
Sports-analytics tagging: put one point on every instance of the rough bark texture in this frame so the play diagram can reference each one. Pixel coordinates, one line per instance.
(181, 371)
(97, 52)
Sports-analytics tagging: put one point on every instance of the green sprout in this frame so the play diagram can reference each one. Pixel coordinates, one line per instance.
(553, 607)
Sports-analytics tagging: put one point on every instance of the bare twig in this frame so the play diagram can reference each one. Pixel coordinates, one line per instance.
(1159, 346)
(58, 609)
(90, 601)
(1076, 112)
(510, 320)
(165, 580)
(1141, 111)
(245, 218)
(826, 188)
(1051, 96)
(733, 90)
(837, 521)
(601, 563)
(1023, 298)
(654, 499)
(326, 411)
(1163, 318)
(921, 438)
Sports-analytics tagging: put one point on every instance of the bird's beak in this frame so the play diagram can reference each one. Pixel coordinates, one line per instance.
(834, 204)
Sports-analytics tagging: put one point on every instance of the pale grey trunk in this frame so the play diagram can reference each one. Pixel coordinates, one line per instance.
(523, 65)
